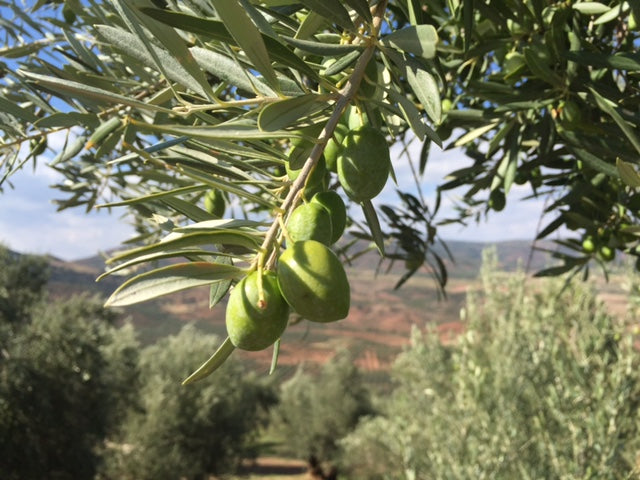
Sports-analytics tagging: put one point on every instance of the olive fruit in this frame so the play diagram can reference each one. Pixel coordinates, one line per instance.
(313, 282)
(333, 147)
(214, 203)
(252, 324)
(497, 200)
(606, 253)
(364, 163)
(588, 245)
(310, 221)
(333, 203)
(317, 180)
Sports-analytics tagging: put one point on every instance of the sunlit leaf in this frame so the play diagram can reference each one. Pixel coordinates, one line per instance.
(170, 279)
(215, 361)
(426, 89)
(85, 91)
(628, 173)
(290, 112)
(216, 30)
(151, 56)
(247, 36)
(177, 242)
(590, 8)
(419, 40)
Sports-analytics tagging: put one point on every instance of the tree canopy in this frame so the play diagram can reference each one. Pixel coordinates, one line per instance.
(160, 102)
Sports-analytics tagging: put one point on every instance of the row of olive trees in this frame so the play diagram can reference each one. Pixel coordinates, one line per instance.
(80, 399)
(545, 383)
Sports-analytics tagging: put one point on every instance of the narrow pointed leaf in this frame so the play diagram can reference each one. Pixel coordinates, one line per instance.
(374, 225)
(92, 93)
(540, 68)
(229, 71)
(332, 10)
(610, 110)
(419, 40)
(473, 134)
(590, 8)
(216, 30)
(178, 49)
(290, 112)
(170, 279)
(426, 89)
(214, 362)
(628, 173)
(248, 37)
(17, 111)
(177, 242)
(361, 7)
(274, 357)
(219, 289)
(321, 48)
(151, 56)
(224, 131)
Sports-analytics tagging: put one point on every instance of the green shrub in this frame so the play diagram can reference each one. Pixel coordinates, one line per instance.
(64, 380)
(543, 384)
(317, 410)
(188, 431)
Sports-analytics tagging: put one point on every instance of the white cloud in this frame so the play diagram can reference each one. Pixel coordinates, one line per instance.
(30, 223)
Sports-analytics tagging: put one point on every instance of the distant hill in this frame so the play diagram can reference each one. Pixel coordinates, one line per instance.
(378, 326)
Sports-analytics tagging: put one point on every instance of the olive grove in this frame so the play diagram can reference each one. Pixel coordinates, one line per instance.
(271, 103)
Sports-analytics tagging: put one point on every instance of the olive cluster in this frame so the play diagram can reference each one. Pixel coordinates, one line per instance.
(309, 278)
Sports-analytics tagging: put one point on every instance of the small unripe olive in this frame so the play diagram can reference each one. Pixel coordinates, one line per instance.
(214, 203)
(606, 253)
(497, 200)
(333, 147)
(588, 245)
(254, 323)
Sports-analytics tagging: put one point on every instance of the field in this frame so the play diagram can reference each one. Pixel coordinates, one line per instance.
(378, 327)
(379, 323)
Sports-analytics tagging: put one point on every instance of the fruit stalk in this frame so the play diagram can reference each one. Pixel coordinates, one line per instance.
(345, 96)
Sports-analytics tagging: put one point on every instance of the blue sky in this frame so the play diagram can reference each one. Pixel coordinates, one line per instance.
(29, 221)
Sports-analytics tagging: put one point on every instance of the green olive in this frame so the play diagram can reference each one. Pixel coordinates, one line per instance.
(313, 282)
(588, 245)
(310, 221)
(214, 203)
(497, 200)
(364, 163)
(251, 324)
(333, 203)
(317, 180)
(333, 147)
(606, 253)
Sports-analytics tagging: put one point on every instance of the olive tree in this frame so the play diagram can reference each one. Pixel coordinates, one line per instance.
(306, 418)
(178, 432)
(543, 384)
(270, 102)
(66, 379)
